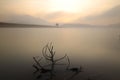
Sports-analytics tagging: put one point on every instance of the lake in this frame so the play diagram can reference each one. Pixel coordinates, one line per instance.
(97, 49)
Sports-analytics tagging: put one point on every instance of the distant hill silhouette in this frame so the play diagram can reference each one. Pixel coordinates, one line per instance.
(88, 25)
(77, 25)
(15, 25)
(114, 25)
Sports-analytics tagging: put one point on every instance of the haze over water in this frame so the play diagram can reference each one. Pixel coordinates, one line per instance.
(92, 38)
(96, 49)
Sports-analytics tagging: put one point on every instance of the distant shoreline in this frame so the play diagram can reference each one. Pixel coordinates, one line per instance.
(15, 25)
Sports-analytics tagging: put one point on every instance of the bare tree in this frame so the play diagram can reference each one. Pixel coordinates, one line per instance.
(47, 71)
(50, 57)
(57, 24)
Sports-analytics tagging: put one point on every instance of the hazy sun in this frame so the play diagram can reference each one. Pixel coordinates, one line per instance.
(65, 5)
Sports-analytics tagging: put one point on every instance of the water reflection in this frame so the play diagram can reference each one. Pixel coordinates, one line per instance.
(98, 49)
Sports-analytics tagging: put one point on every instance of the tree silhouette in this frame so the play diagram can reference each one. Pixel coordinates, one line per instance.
(57, 24)
(48, 71)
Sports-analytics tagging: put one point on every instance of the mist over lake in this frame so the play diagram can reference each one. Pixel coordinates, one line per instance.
(97, 49)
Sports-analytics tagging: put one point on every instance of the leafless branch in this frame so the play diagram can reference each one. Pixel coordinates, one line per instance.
(61, 58)
(37, 62)
(49, 55)
(67, 68)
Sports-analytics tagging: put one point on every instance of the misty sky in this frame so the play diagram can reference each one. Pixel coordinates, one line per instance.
(60, 11)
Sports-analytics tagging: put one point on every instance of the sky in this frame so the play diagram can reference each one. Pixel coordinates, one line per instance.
(60, 11)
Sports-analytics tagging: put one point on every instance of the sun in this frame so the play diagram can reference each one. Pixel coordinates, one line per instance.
(64, 5)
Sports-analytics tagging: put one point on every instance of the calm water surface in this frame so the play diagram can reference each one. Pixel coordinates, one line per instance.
(96, 49)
